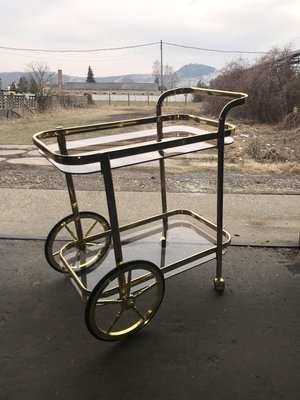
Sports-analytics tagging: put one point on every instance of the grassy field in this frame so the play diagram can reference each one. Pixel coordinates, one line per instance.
(20, 130)
(257, 148)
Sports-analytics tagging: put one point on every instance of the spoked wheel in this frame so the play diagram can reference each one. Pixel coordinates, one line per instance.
(125, 300)
(79, 256)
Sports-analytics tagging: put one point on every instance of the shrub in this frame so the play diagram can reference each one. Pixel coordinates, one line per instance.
(272, 85)
(198, 97)
(292, 120)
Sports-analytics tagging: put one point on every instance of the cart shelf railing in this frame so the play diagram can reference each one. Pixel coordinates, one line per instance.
(60, 155)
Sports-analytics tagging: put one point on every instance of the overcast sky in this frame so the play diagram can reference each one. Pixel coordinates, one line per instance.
(240, 25)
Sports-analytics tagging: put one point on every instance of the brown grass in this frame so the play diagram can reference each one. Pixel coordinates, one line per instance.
(20, 130)
(258, 148)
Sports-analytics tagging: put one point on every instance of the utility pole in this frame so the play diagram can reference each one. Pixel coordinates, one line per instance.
(161, 67)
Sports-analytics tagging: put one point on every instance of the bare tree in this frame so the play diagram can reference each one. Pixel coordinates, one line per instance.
(169, 76)
(156, 71)
(41, 82)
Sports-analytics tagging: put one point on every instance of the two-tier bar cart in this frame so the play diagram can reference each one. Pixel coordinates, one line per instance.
(120, 270)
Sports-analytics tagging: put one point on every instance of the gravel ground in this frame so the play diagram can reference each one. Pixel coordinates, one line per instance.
(147, 180)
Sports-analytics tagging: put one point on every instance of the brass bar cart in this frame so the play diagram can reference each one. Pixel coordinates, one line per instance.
(120, 270)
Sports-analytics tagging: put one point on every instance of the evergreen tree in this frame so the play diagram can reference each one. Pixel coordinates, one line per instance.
(198, 97)
(90, 76)
(13, 87)
(23, 84)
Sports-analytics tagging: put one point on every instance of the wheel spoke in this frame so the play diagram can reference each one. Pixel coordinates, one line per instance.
(56, 253)
(139, 313)
(70, 231)
(107, 302)
(90, 229)
(115, 320)
(91, 244)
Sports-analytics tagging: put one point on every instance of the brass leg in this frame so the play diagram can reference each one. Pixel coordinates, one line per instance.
(75, 209)
(163, 200)
(219, 283)
(112, 209)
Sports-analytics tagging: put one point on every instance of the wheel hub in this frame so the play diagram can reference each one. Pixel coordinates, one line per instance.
(128, 302)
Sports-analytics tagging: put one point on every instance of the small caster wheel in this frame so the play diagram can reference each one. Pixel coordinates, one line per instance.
(219, 285)
(125, 300)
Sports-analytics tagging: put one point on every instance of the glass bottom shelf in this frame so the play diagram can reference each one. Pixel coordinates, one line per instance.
(190, 241)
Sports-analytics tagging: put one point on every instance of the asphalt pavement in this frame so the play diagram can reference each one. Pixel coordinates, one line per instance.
(244, 344)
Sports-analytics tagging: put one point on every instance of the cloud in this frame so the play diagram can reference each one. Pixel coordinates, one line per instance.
(74, 24)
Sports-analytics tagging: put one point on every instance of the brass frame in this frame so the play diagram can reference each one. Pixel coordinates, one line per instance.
(162, 147)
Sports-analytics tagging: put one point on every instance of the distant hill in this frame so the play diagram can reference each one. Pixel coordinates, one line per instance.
(189, 74)
(194, 71)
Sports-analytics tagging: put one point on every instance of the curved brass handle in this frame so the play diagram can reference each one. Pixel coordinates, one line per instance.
(208, 92)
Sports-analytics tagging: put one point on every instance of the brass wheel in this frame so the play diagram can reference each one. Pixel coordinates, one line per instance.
(79, 256)
(125, 300)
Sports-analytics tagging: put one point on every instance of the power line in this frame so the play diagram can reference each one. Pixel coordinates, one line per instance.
(130, 47)
(215, 50)
(78, 50)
